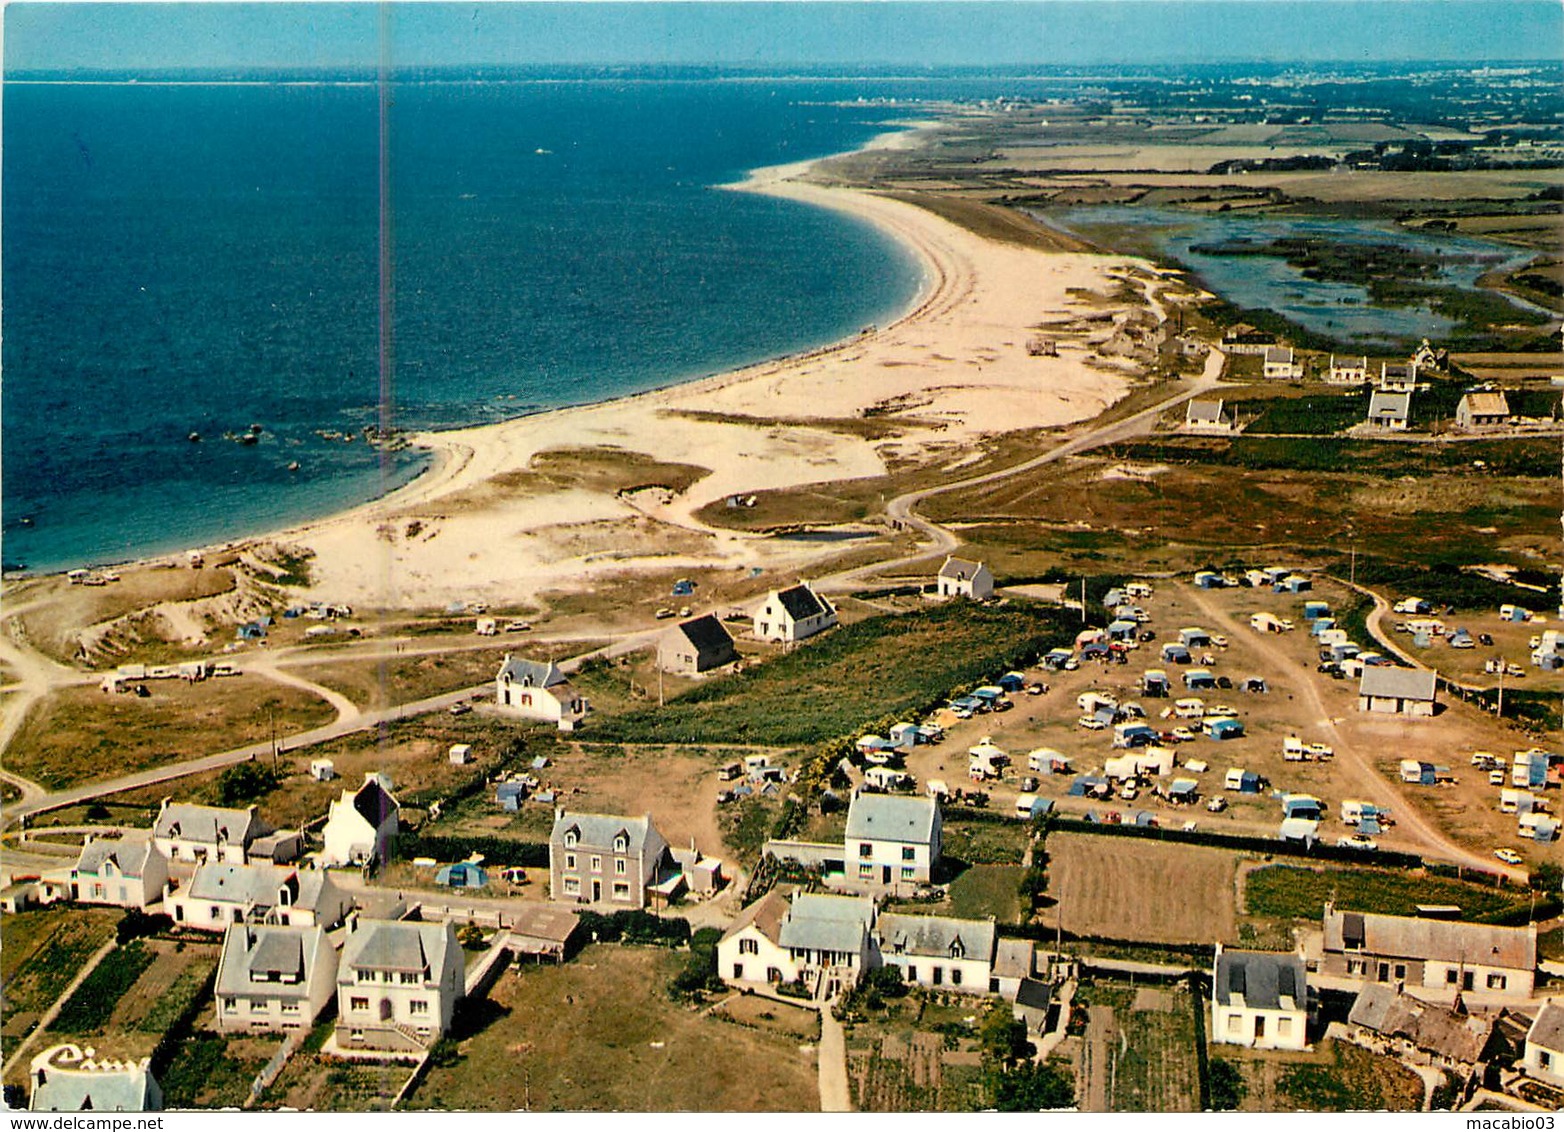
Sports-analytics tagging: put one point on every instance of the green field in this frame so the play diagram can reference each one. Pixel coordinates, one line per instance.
(1292, 892)
(43, 952)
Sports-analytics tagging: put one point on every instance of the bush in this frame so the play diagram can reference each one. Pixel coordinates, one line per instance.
(136, 924)
(1002, 1037)
(495, 850)
(634, 926)
(1031, 1088)
(699, 974)
(886, 981)
(97, 812)
(244, 782)
(1227, 1085)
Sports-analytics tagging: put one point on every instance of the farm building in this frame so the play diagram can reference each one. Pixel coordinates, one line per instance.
(1418, 1030)
(1403, 691)
(695, 646)
(793, 614)
(1259, 999)
(1544, 1056)
(1482, 410)
(959, 577)
(1282, 364)
(1479, 959)
(1347, 371)
(1390, 410)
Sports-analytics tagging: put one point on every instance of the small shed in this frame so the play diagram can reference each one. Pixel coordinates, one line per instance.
(1314, 610)
(323, 770)
(460, 754)
(510, 795)
(463, 874)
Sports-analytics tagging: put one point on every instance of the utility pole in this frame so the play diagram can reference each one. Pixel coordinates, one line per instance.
(1500, 711)
(1083, 601)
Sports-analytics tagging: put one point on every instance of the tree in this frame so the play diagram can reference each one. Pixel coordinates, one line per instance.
(244, 782)
(1003, 1038)
(1547, 877)
(886, 981)
(1226, 1085)
(1031, 1088)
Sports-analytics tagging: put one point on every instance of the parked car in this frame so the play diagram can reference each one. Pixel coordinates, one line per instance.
(1356, 841)
(1218, 640)
(1217, 805)
(1128, 792)
(1508, 856)
(460, 709)
(1091, 723)
(1183, 735)
(1496, 778)
(1319, 750)
(1036, 689)
(1484, 639)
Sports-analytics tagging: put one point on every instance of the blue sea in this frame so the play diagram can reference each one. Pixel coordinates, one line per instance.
(197, 258)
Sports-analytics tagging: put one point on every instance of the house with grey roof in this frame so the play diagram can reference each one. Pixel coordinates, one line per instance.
(793, 614)
(1390, 410)
(397, 985)
(271, 977)
(1398, 377)
(1398, 691)
(938, 952)
(695, 646)
(219, 895)
(1033, 1004)
(1385, 1017)
(122, 871)
(1347, 371)
(962, 577)
(1282, 364)
(529, 689)
(1015, 960)
(1478, 961)
(1544, 1052)
(1259, 999)
(361, 826)
(184, 831)
(820, 939)
(606, 859)
(1207, 416)
(892, 842)
(70, 1078)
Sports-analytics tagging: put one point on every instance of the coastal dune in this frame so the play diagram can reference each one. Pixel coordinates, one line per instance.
(481, 524)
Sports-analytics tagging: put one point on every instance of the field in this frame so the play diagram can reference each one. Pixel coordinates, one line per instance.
(1293, 892)
(918, 1053)
(82, 734)
(1140, 1047)
(43, 952)
(600, 1034)
(848, 680)
(209, 1070)
(1143, 890)
(1333, 1077)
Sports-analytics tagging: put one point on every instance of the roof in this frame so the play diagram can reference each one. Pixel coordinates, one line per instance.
(529, 673)
(250, 949)
(1013, 958)
(544, 921)
(1450, 941)
(186, 821)
(1382, 403)
(1429, 1026)
(706, 633)
(961, 568)
(67, 1088)
(1398, 683)
(817, 922)
(129, 856)
(1487, 403)
(1278, 354)
(599, 830)
(801, 602)
(1034, 994)
(937, 936)
(766, 914)
(1548, 1030)
(399, 946)
(374, 803)
(1398, 369)
(1263, 978)
(245, 884)
(885, 817)
(1204, 412)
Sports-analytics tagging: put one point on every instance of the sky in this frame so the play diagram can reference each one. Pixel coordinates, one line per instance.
(756, 33)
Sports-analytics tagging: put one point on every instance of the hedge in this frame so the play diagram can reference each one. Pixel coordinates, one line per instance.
(495, 850)
(1274, 847)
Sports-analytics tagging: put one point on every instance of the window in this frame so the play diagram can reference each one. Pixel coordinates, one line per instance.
(215, 913)
(572, 886)
(912, 973)
(749, 947)
(418, 1006)
(1233, 1022)
(1401, 970)
(908, 853)
(908, 873)
(621, 844)
(1544, 1059)
(1355, 966)
(230, 1004)
(1497, 982)
(259, 1005)
(993, 986)
(290, 1008)
(362, 976)
(738, 970)
(865, 849)
(1283, 1027)
(1450, 977)
(97, 890)
(773, 974)
(939, 976)
(866, 871)
(597, 864)
(570, 839)
(570, 860)
(621, 891)
(1384, 972)
(621, 866)
(356, 1003)
(409, 978)
(955, 976)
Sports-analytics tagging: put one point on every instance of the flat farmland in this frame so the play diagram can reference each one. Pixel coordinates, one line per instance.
(1124, 888)
(43, 951)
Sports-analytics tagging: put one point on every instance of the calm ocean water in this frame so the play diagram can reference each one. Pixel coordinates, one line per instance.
(186, 259)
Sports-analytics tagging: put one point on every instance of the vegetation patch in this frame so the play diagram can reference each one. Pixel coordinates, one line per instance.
(92, 1003)
(1354, 1081)
(1291, 892)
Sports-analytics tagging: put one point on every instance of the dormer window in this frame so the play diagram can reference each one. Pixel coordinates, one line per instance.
(570, 839)
(621, 844)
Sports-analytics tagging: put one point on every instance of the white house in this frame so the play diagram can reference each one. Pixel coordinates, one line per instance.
(1544, 1056)
(1483, 409)
(1259, 999)
(273, 978)
(605, 859)
(960, 577)
(67, 1078)
(695, 646)
(891, 841)
(815, 937)
(1390, 409)
(526, 689)
(120, 871)
(362, 824)
(398, 983)
(187, 832)
(1447, 955)
(1207, 416)
(1347, 371)
(793, 614)
(937, 951)
(220, 895)
(1398, 377)
(1403, 691)
(1281, 364)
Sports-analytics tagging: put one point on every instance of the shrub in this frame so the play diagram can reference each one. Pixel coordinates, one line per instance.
(246, 781)
(1227, 1085)
(886, 981)
(1030, 1088)
(136, 924)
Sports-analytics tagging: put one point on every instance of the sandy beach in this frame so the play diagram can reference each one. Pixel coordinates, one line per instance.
(480, 525)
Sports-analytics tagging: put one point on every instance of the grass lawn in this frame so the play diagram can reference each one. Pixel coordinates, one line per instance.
(381, 683)
(42, 953)
(987, 843)
(1293, 892)
(852, 678)
(210, 1070)
(81, 734)
(600, 1034)
(1334, 1077)
(987, 890)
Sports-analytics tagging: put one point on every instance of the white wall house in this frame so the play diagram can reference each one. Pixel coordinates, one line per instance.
(960, 577)
(1347, 371)
(1544, 1056)
(187, 832)
(398, 983)
(891, 841)
(1259, 999)
(793, 614)
(938, 952)
(526, 689)
(120, 871)
(219, 895)
(815, 937)
(1403, 691)
(1281, 364)
(1481, 961)
(361, 825)
(273, 978)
